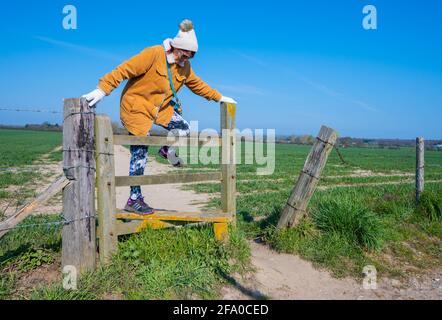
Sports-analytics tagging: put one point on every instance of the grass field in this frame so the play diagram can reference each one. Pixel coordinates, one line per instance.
(363, 212)
(22, 147)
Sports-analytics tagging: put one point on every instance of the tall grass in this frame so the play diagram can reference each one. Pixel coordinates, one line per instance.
(430, 205)
(351, 219)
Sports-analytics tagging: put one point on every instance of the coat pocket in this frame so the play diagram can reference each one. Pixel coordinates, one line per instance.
(180, 78)
(128, 103)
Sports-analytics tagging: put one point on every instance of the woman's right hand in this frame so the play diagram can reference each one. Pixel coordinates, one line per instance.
(94, 97)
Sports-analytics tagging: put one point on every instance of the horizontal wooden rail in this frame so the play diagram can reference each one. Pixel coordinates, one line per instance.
(164, 215)
(123, 181)
(166, 141)
(128, 223)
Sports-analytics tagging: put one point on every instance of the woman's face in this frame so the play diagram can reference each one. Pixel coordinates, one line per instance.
(181, 55)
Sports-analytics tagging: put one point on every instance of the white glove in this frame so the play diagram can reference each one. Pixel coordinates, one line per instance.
(94, 97)
(227, 100)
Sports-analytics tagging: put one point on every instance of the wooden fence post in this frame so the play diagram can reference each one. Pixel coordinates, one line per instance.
(78, 234)
(106, 201)
(228, 158)
(297, 203)
(420, 165)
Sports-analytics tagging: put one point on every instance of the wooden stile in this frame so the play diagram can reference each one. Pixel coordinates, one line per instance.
(89, 162)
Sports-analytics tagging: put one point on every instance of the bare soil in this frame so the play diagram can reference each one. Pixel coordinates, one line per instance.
(368, 173)
(44, 275)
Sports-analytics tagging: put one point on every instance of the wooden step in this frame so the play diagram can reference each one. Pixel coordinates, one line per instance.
(167, 215)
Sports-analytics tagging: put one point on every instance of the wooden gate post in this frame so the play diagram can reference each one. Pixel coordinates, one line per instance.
(297, 203)
(78, 234)
(420, 165)
(106, 201)
(228, 158)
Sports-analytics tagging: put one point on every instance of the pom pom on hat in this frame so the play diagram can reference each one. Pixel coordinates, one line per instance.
(186, 25)
(186, 37)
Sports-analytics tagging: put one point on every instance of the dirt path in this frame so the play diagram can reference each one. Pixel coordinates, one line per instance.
(287, 276)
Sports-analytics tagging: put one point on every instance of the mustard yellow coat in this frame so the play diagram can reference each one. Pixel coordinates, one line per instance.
(146, 96)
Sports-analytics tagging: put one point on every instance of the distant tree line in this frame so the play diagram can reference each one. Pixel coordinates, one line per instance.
(297, 139)
(45, 126)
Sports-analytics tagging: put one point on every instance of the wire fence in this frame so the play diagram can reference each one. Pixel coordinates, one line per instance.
(64, 221)
(341, 157)
(31, 110)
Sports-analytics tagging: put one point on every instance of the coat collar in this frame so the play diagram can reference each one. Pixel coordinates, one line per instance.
(170, 58)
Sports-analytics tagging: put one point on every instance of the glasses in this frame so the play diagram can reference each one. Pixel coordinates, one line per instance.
(188, 54)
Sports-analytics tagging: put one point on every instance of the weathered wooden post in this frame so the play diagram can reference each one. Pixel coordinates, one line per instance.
(228, 158)
(106, 201)
(297, 203)
(420, 164)
(78, 234)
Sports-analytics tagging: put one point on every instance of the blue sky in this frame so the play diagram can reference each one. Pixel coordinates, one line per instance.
(291, 65)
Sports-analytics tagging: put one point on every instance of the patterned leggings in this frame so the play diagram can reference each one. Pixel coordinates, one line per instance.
(178, 126)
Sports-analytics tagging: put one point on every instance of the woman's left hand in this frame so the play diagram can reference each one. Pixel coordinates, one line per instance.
(227, 100)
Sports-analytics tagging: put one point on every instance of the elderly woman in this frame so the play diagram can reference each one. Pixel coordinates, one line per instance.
(155, 75)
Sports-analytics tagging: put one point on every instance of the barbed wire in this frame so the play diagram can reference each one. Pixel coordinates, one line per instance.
(80, 112)
(17, 170)
(33, 225)
(341, 157)
(61, 222)
(30, 110)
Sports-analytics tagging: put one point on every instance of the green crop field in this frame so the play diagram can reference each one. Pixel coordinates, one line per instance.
(23, 147)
